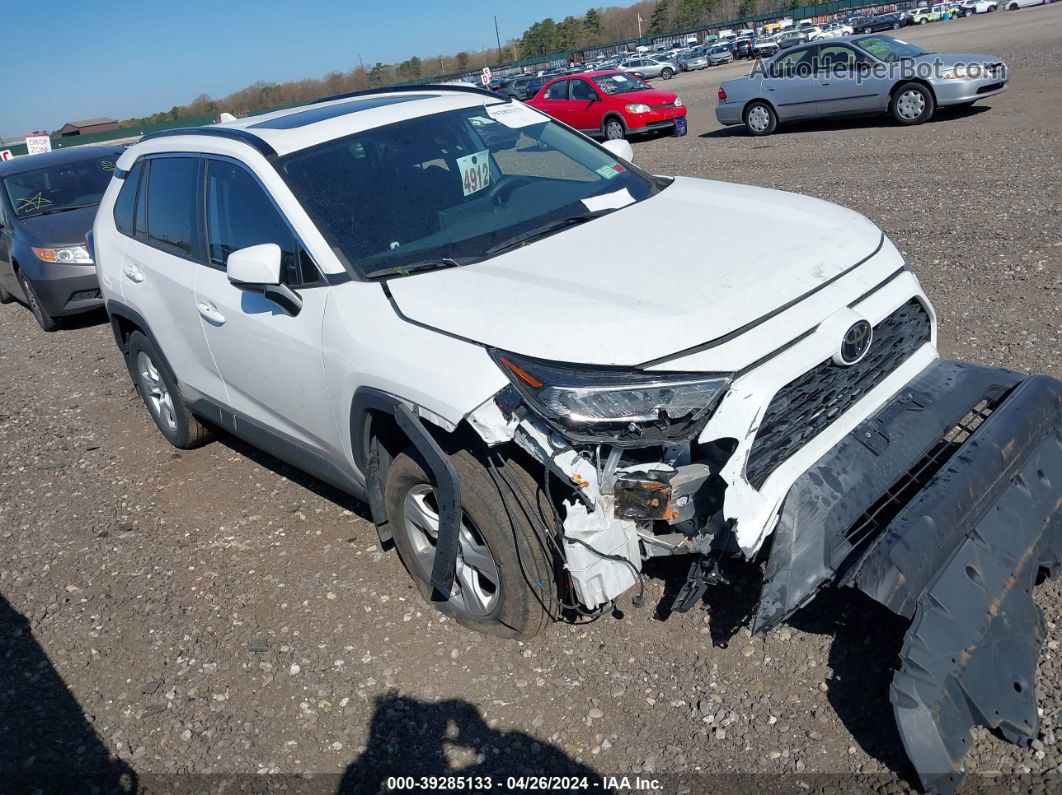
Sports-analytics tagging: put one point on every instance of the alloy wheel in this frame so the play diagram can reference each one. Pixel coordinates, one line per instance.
(155, 391)
(477, 584)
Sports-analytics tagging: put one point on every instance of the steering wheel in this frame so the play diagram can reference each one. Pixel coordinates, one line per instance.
(500, 190)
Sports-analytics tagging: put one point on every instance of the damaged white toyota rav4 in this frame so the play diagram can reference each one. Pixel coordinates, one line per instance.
(450, 305)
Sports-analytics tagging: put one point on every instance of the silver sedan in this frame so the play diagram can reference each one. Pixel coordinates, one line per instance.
(856, 75)
(649, 68)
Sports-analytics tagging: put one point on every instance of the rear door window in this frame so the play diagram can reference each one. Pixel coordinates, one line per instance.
(558, 90)
(170, 205)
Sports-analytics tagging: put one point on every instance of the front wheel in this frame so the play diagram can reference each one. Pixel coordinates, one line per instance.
(504, 583)
(895, 25)
(760, 118)
(613, 129)
(40, 314)
(867, 30)
(912, 103)
(923, 21)
(667, 74)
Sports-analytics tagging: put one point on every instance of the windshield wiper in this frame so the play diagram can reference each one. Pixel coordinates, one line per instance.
(543, 231)
(53, 210)
(442, 263)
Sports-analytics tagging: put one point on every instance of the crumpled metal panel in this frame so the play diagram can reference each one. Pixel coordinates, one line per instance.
(970, 655)
(807, 405)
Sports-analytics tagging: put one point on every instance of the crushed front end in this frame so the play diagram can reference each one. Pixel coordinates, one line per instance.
(933, 486)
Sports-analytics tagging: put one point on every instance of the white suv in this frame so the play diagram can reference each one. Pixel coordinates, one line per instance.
(443, 303)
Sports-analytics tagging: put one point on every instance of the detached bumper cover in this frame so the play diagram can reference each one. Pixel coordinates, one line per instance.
(946, 507)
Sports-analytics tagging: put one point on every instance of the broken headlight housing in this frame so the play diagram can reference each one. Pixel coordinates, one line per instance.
(615, 405)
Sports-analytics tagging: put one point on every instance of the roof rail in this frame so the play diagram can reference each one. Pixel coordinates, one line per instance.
(469, 89)
(234, 134)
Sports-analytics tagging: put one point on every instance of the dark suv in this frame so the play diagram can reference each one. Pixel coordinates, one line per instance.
(47, 205)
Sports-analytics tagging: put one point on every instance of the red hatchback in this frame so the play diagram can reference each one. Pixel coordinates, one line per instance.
(610, 104)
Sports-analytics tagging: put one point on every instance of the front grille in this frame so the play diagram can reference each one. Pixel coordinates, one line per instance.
(808, 405)
(879, 515)
(663, 107)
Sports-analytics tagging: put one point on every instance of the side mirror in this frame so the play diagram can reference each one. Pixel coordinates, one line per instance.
(257, 268)
(621, 148)
(255, 265)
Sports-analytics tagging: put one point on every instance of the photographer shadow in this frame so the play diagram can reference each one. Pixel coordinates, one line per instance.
(411, 738)
(46, 742)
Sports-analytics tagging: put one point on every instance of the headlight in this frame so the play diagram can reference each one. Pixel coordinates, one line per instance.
(678, 102)
(614, 405)
(637, 108)
(66, 255)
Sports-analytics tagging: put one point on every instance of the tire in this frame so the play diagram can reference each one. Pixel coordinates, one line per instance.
(895, 25)
(505, 582)
(667, 73)
(923, 21)
(867, 30)
(157, 387)
(912, 103)
(613, 128)
(40, 314)
(760, 118)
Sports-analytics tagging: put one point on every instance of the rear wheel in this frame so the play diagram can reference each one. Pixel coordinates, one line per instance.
(504, 583)
(158, 389)
(923, 21)
(613, 129)
(912, 103)
(895, 25)
(667, 73)
(40, 314)
(760, 118)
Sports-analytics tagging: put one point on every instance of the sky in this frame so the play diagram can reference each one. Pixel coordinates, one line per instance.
(68, 60)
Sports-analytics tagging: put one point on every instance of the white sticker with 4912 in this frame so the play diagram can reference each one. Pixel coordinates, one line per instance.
(475, 171)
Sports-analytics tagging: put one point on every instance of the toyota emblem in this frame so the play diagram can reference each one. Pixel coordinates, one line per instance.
(856, 342)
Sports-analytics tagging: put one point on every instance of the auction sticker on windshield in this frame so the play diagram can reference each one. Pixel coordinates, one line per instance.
(475, 171)
(514, 114)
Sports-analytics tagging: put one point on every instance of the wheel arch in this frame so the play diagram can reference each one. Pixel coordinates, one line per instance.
(613, 114)
(382, 426)
(765, 101)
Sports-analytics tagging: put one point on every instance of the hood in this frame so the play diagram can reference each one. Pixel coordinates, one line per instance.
(947, 59)
(651, 97)
(58, 229)
(691, 264)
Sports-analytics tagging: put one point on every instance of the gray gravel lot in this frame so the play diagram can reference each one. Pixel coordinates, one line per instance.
(215, 612)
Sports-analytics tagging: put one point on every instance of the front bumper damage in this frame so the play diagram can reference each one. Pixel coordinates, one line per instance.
(970, 520)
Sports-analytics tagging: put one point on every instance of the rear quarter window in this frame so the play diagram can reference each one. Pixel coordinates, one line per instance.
(125, 204)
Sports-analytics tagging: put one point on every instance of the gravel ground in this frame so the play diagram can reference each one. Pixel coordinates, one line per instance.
(215, 612)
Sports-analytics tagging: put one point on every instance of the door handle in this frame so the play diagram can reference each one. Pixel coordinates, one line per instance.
(211, 313)
(133, 272)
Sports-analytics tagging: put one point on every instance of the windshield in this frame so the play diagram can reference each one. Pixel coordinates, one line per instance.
(452, 188)
(620, 84)
(60, 187)
(886, 48)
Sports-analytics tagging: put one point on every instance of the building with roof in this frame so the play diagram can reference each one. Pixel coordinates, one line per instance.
(88, 127)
